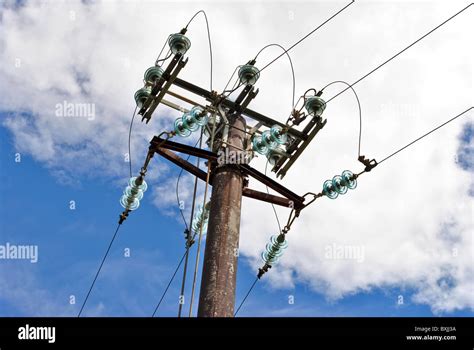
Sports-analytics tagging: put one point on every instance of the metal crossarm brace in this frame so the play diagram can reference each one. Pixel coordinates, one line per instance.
(166, 148)
(269, 122)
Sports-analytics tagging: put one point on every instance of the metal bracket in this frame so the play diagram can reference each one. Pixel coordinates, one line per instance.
(369, 163)
(159, 90)
(280, 167)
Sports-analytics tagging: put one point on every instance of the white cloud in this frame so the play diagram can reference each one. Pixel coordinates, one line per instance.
(408, 214)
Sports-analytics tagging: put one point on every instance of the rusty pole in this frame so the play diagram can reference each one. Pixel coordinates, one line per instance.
(217, 296)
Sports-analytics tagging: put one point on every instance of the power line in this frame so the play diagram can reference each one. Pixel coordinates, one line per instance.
(169, 284)
(199, 241)
(400, 52)
(208, 37)
(189, 240)
(429, 132)
(291, 65)
(273, 206)
(211, 146)
(98, 271)
(177, 187)
(161, 51)
(129, 138)
(307, 35)
(358, 103)
(246, 296)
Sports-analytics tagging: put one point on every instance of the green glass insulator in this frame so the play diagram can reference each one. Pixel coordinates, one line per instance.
(280, 241)
(274, 155)
(143, 187)
(268, 139)
(180, 128)
(133, 192)
(349, 179)
(179, 43)
(152, 74)
(142, 95)
(315, 106)
(259, 146)
(190, 122)
(329, 190)
(248, 74)
(268, 258)
(200, 115)
(130, 203)
(278, 135)
(274, 250)
(339, 184)
(196, 225)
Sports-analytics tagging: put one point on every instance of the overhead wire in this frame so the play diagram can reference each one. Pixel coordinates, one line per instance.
(291, 65)
(307, 35)
(129, 139)
(201, 226)
(189, 239)
(401, 51)
(98, 271)
(358, 104)
(246, 296)
(208, 38)
(169, 284)
(424, 135)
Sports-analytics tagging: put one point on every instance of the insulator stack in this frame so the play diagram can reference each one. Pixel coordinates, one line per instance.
(274, 249)
(339, 184)
(133, 193)
(191, 121)
(268, 144)
(201, 218)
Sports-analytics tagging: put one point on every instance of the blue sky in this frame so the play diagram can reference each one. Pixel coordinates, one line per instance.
(81, 161)
(35, 210)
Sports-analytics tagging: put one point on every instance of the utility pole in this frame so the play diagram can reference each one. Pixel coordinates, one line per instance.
(232, 145)
(217, 296)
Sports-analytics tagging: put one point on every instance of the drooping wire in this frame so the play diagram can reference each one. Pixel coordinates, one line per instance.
(429, 132)
(235, 70)
(189, 239)
(187, 228)
(129, 137)
(98, 271)
(161, 51)
(400, 52)
(164, 59)
(246, 296)
(196, 266)
(273, 205)
(291, 65)
(208, 37)
(307, 35)
(358, 104)
(177, 188)
(199, 242)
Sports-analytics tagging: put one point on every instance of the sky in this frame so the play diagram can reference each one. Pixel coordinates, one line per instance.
(61, 178)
